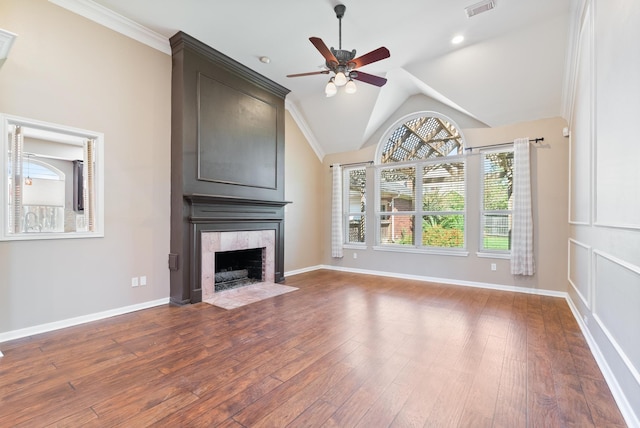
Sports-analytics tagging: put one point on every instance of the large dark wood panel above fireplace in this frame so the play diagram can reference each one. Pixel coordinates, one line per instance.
(227, 157)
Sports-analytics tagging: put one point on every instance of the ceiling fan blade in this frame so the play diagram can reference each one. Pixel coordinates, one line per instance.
(324, 50)
(373, 56)
(311, 73)
(369, 78)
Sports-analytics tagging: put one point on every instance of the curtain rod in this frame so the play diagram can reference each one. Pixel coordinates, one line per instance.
(534, 140)
(354, 163)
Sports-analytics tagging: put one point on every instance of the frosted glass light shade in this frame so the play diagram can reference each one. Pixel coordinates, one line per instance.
(351, 87)
(331, 89)
(340, 79)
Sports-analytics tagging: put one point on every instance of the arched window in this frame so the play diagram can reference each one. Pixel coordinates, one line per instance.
(421, 184)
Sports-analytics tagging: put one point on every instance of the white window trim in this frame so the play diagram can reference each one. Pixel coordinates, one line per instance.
(346, 212)
(63, 134)
(417, 213)
(482, 252)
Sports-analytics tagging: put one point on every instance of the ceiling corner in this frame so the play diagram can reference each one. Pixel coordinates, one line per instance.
(118, 23)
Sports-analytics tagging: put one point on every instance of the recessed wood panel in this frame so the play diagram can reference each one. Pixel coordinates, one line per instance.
(579, 256)
(237, 136)
(618, 99)
(581, 133)
(616, 303)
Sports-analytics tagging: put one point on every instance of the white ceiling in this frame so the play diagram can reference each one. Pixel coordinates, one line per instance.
(509, 69)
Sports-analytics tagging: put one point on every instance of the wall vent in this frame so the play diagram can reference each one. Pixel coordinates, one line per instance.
(477, 8)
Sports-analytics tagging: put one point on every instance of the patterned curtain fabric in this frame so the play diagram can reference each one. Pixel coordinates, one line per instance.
(336, 213)
(522, 229)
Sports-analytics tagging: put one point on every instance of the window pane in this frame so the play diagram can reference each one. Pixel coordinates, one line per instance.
(356, 228)
(443, 187)
(496, 232)
(422, 137)
(355, 213)
(357, 190)
(397, 189)
(443, 231)
(498, 179)
(396, 229)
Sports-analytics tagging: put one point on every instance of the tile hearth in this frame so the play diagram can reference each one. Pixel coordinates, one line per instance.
(237, 297)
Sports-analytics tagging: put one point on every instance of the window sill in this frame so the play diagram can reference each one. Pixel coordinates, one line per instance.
(412, 249)
(487, 255)
(352, 246)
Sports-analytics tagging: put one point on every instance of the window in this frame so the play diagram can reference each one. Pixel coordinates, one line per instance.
(421, 184)
(51, 177)
(443, 200)
(397, 205)
(497, 190)
(356, 203)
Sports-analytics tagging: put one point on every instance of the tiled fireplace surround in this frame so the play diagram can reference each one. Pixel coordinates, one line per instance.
(213, 242)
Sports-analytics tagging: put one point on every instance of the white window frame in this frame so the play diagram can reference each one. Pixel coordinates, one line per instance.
(73, 137)
(346, 211)
(487, 252)
(418, 212)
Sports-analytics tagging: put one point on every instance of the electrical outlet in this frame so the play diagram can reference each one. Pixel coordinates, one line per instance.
(143, 280)
(494, 267)
(355, 255)
(586, 319)
(134, 281)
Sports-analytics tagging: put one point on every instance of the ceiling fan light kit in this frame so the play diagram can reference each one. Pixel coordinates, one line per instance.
(343, 63)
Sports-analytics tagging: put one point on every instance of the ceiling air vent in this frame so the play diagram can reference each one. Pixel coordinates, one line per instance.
(477, 8)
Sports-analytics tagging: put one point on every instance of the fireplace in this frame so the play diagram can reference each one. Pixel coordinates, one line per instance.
(227, 167)
(234, 252)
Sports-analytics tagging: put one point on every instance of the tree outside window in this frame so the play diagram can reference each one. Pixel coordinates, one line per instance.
(497, 200)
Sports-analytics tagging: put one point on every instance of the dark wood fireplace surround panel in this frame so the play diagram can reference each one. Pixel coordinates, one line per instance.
(227, 157)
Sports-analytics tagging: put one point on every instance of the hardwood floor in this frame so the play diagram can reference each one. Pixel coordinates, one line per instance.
(344, 350)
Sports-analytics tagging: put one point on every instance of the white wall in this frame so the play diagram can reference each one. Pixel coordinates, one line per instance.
(68, 70)
(604, 240)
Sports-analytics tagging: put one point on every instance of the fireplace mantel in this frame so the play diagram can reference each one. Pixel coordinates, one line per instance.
(227, 158)
(200, 199)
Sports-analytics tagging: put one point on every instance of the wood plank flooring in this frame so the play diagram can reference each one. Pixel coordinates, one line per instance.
(345, 350)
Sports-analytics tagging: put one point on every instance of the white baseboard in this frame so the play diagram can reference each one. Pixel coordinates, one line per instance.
(620, 398)
(43, 328)
(526, 290)
(304, 270)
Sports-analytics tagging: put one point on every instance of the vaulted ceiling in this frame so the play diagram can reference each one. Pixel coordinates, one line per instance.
(510, 67)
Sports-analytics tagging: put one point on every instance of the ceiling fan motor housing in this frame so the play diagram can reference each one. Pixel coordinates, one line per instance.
(343, 56)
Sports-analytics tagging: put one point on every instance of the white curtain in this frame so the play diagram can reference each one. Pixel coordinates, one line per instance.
(522, 229)
(336, 212)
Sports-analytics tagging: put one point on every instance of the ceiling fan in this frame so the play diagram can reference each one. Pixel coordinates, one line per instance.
(344, 64)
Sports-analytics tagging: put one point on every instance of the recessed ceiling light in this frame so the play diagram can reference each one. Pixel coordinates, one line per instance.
(457, 39)
(265, 59)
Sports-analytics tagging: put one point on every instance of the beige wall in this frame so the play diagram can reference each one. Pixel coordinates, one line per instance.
(549, 191)
(303, 187)
(68, 70)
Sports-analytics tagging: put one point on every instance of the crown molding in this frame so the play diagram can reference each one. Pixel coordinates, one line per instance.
(577, 14)
(304, 128)
(116, 22)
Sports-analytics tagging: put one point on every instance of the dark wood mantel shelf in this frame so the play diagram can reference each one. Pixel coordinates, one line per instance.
(196, 198)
